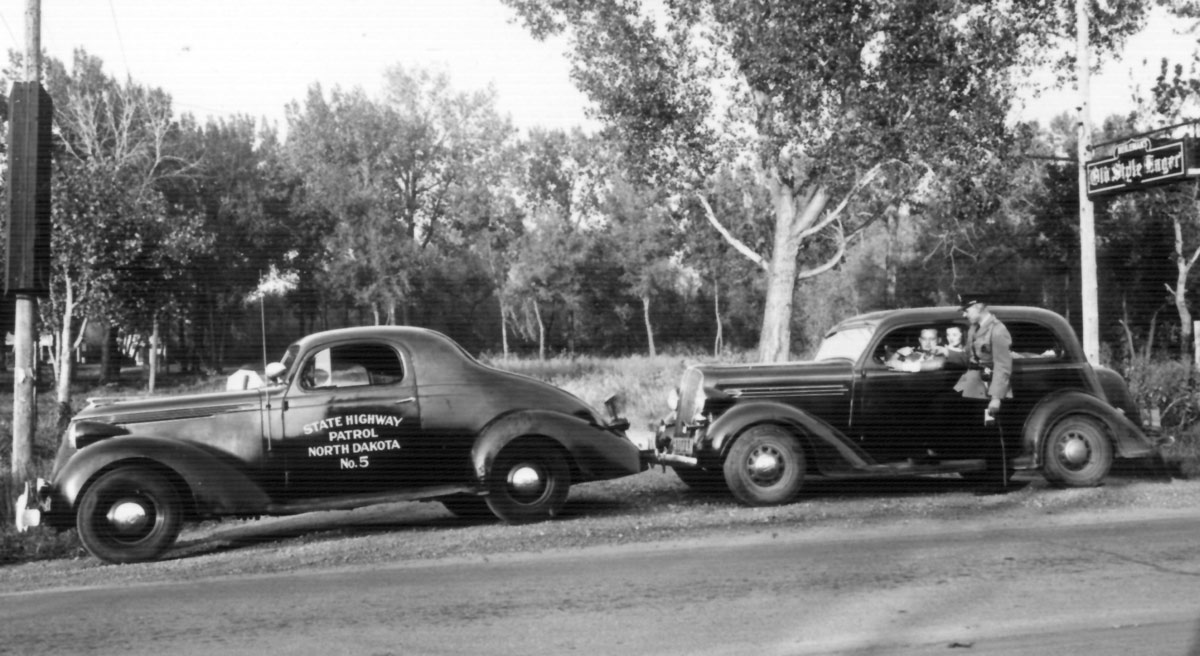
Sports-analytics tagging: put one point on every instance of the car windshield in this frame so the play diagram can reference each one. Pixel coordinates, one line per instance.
(289, 360)
(845, 344)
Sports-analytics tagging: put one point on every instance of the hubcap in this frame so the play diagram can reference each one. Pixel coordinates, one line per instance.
(765, 466)
(128, 517)
(1074, 451)
(525, 481)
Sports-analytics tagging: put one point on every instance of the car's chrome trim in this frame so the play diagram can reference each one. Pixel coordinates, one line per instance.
(787, 390)
(175, 413)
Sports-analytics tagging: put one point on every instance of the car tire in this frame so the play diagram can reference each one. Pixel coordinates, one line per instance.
(1077, 453)
(528, 483)
(467, 506)
(705, 481)
(128, 515)
(765, 466)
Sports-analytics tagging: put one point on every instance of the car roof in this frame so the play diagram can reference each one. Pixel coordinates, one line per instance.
(412, 334)
(949, 313)
(435, 354)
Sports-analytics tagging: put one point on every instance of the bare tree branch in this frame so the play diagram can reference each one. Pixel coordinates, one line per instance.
(737, 244)
(831, 262)
(835, 214)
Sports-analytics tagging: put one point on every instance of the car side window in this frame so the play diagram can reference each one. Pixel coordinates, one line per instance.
(352, 365)
(1031, 341)
(910, 337)
(894, 341)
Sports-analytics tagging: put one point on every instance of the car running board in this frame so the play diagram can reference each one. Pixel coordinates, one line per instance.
(360, 500)
(910, 468)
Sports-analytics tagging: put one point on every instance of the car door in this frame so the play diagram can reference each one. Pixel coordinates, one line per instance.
(348, 422)
(902, 414)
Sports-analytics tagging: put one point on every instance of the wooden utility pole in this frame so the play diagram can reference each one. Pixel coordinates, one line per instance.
(24, 421)
(1087, 216)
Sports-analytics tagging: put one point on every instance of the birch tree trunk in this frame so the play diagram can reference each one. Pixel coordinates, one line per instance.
(719, 342)
(649, 327)
(503, 327)
(152, 361)
(1183, 266)
(775, 340)
(65, 367)
(537, 313)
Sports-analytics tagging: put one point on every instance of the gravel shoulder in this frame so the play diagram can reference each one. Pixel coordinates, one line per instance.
(652, 510)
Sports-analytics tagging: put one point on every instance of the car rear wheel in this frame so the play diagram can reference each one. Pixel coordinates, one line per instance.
(528, 483)
(128, 515)
(765, 466)
(1077, 453)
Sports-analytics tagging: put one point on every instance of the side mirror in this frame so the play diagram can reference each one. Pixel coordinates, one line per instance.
(275, 370)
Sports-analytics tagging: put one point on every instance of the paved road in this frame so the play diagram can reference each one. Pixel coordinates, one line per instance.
(1117, 587)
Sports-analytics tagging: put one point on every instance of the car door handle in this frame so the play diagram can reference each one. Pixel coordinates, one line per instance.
(410, 399)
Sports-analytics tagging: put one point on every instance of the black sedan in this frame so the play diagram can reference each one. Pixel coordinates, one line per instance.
(760, 430)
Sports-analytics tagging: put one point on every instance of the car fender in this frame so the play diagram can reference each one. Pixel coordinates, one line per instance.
(1128, 439)
(829, 445)
(216, 486)
(596, 454)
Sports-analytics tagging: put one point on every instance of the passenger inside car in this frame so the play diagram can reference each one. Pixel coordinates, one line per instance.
(923, 357)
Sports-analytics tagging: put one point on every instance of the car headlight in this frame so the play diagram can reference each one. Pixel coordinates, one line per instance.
(697, 404)
(83, 433)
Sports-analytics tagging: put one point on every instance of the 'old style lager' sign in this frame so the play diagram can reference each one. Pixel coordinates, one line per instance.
(1137, 164)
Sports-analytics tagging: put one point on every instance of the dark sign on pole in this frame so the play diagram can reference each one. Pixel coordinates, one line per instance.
(1138, 164)
(27, 267)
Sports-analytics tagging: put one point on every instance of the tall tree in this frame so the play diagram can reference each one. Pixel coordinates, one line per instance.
(118, 145)
(645, 242)
(394, 175)
(820, 97)
(234, 189)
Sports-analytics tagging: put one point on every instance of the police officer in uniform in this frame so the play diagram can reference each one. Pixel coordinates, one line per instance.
(987, 356)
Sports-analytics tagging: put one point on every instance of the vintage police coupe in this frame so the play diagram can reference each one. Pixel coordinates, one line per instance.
(761, 430)
(350, 417)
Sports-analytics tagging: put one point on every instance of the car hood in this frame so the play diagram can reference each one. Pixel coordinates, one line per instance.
(133, 410)
(730, 378)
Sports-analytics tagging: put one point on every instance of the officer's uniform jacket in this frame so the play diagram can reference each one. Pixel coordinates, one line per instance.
(988, 358)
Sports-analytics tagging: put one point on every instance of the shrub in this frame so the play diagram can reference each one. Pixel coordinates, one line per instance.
(1173, 388)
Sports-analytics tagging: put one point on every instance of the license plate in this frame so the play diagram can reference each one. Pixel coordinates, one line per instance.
(681, 446)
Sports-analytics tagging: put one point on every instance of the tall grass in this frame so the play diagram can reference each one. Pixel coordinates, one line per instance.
(642, 381)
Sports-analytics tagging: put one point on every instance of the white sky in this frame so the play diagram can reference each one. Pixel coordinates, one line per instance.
(1113, 88)
(221, 57)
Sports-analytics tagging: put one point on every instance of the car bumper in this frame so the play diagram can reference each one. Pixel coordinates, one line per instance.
(670, 448)
(29, 506)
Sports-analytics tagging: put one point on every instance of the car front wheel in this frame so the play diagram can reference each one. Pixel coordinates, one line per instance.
(528, 483)
(765, 466)
(129, 515)
(1077, 453)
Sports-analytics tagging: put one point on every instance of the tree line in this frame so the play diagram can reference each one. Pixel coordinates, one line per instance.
(764, 170)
